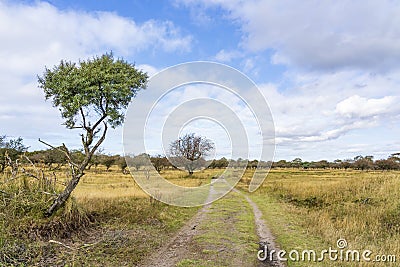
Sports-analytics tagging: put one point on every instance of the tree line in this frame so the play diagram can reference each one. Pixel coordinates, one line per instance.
(53, 159)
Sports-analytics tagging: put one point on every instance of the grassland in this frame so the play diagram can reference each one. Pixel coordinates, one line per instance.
(109, 221)
(312, 209)
(305, 209)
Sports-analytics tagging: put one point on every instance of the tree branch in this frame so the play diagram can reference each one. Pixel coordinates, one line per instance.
(99, 121)
(83, 118)
(66, 151)
(100, 140)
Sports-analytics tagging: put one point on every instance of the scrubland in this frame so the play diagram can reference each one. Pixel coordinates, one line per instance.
(111, 221)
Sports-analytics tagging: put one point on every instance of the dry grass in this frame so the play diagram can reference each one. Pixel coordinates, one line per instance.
(362, 207)
(125, 224)
(307, 209)
(102, 184)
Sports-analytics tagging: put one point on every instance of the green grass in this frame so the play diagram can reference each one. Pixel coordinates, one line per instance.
(227, 237)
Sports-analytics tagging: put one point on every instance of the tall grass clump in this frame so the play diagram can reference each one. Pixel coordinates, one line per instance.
(25, 194)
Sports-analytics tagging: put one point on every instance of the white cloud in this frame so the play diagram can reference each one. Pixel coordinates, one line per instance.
(38, 35)
(322, 107)
(360, 107)
(341, 69)
(228, 55)
(150, 70)
(318, 35)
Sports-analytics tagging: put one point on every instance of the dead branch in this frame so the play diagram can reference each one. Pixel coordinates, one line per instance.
(65, 151)
(62, 244)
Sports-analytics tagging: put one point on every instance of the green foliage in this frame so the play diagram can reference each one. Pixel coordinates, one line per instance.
(102, 84)
(108, 160)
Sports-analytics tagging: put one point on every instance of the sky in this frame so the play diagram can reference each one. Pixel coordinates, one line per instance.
(329, 70)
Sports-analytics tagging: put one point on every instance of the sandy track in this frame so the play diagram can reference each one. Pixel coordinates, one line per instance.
(178, 247)
(265, 235)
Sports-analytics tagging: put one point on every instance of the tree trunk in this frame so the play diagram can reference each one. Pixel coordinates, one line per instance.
(62, 198)
(76, 176)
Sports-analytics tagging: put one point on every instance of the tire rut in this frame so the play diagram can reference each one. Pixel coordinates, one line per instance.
(265, 235)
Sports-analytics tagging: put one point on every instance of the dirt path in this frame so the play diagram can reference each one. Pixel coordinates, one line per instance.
(220, 234)
(265, 235)
(177, 247)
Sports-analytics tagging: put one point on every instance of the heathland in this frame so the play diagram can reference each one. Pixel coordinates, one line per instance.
(110, 221)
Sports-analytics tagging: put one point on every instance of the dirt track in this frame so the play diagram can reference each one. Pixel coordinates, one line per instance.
(182, 246)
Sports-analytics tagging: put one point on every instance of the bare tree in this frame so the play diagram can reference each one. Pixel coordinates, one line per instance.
(189, 151)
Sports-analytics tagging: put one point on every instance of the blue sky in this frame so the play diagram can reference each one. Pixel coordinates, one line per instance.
(328, 69)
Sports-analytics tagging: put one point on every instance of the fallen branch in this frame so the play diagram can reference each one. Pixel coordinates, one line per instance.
(71, 248)
(62, 244)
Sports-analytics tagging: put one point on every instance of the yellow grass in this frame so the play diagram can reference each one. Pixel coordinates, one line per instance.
(319, 205)
(100, 183)
(362, 207)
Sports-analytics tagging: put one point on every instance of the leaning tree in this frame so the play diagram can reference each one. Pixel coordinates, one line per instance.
(189, 151)
(91, 95)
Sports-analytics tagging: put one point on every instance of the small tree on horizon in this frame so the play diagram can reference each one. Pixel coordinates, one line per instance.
(189, 151)
(91, 96)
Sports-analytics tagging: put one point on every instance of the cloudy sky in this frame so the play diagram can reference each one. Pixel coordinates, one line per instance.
(329, 70)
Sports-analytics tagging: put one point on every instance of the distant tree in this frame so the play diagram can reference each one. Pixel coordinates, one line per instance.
(346, 164)
(160, 162)
(10, 149)
(336, 164)
(395, 157)
(264, 164)
(48, 157)
(108, 161)
(91, 95)
(2, 140)
(138, 161)
(95, 160)
(387, 164)
(241, 163)
(252, 164)
(122, 164)
(363, 163)
(305, 165)
(296, 163)
(219, 163)
(189, 151)
(281, 164)
(322, 164)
